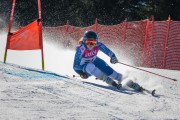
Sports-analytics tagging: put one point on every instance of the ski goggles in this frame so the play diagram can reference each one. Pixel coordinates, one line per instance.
(91, 42)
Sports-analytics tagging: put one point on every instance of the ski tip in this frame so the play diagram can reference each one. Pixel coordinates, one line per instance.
(153, 92)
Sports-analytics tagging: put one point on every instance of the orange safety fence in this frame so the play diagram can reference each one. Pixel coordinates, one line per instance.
(173, 47)
(147, 43)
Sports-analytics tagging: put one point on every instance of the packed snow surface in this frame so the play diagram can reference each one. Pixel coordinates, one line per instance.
(28, 93)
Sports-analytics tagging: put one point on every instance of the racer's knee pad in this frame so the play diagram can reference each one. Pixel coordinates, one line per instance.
(93, 70)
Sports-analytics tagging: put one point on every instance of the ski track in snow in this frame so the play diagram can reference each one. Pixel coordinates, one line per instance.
(34, 94)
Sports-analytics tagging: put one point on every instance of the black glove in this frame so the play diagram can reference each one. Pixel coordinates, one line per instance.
(113, 59)
(84, 75)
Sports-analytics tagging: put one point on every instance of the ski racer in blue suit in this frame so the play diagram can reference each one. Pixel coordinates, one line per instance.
(87, 63)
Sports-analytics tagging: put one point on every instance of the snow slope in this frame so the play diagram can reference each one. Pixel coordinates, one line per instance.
(27, 93)
(33, 94)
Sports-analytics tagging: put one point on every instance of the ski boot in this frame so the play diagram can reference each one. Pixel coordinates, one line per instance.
(118, 86)
(134, 86)
(111, 82)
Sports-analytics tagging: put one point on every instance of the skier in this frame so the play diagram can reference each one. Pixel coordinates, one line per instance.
(87, 63)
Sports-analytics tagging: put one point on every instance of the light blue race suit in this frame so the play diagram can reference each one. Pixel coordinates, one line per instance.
(84, 56)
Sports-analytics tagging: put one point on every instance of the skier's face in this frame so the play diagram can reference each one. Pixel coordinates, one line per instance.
(91, 43)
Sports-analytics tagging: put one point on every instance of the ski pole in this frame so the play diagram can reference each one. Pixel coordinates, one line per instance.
(147, 71)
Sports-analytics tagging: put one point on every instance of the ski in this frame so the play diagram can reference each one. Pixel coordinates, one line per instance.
(130, 84)
(126, 91)
(152, 92)
(139, 88)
